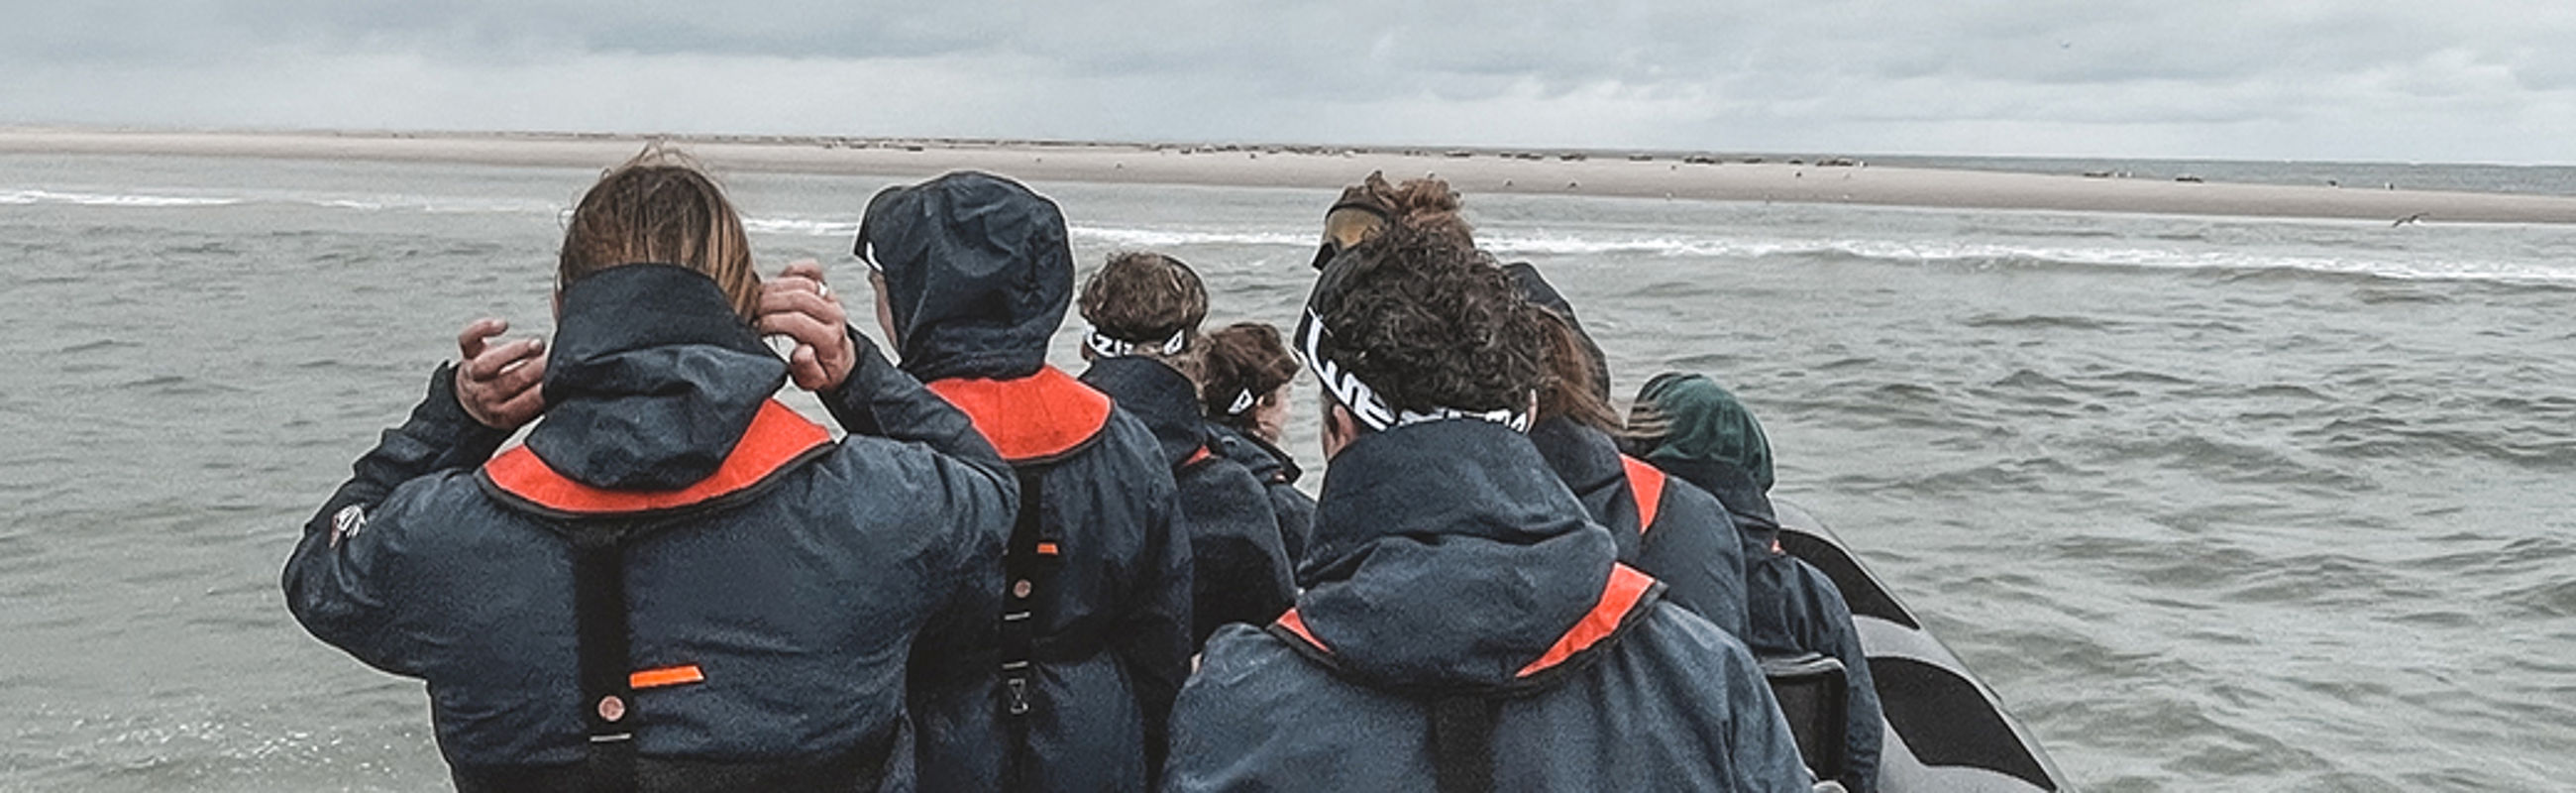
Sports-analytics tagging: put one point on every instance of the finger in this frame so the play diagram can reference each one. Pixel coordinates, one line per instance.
(808, 269)
(519, 409)
(520, 376)
(493, 360)
(469, 342)
(807, 329)
(807, 368)
(822, 309)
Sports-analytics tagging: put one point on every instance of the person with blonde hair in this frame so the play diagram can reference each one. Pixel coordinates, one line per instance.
(676, 583)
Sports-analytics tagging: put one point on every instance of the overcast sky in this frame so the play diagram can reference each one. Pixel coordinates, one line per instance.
(2432, 80)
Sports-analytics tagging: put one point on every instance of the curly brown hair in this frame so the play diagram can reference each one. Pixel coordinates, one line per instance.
(1239, 359)
(1428, 321)
(1144, 297)
(660, 207)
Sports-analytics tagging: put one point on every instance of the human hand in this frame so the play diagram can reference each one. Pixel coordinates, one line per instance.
(501, 385)
(797, 304)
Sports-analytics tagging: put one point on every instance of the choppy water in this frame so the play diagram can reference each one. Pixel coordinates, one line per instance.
(2215, 504)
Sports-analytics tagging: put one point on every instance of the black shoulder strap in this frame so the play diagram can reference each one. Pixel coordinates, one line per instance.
(1462, 743)
(599, 614)
(1027, 562)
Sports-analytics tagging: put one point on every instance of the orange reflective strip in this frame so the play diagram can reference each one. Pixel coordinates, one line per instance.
(1196, 456)
(1646, 485)
(1047, 549)
(777, 436)
(1038, 416)
(1297, 625)
(665, 676)
(1626, 587)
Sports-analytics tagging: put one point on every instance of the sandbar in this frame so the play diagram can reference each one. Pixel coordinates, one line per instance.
(1474, 171)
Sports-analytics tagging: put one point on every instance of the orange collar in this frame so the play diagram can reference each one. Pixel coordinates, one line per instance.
(1040, 416)
(1618, 599)
(777, 439)
(1646, 485)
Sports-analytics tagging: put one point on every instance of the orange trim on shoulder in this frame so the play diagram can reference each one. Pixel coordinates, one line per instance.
(1620, 596)
(1038, 416)
(665, 676)
(1297, 625)
(1646, 485)
(777, 437)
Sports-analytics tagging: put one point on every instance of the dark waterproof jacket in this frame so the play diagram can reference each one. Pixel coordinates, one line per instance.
(1278, 473)
(773, 580)
(1239, 571)
(1667, 528)
(979, 277)
(1793, 609)
(1452, 571)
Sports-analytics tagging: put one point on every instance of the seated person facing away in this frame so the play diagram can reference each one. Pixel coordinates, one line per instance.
(1669, 530)
(1082, 644)
(1464, 624)
(677, 583)
(1696, 431)
(1144, 310)
(1244, 376)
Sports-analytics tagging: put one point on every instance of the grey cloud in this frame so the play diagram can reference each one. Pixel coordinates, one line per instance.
(2180, 77)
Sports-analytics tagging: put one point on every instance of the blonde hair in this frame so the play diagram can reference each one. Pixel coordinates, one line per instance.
(661, 207)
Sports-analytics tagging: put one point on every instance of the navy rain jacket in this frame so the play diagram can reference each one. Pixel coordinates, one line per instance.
(1449, 562)
(1669, 529)
(1278, 473)
(775, 584)
(1792, 609)
(979, 276)
(1240, 572)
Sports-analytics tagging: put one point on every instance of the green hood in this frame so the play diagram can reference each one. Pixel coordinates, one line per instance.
(1705, 424)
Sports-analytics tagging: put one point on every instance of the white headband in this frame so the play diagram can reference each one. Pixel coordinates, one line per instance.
(1364, 402)
(1107, 347)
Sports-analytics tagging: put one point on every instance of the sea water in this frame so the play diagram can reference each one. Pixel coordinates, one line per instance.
(2213, 504)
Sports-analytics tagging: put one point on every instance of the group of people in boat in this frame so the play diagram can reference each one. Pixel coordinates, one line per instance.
(1001, 576)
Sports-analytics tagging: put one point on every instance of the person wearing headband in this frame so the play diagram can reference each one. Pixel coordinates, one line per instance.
(677, 583)
(1081, 645)
(1689, 426)
(1145, 310)
(1245, 375)
(1465, 624)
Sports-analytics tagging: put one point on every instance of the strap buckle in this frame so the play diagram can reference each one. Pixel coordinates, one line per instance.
(1016, 690)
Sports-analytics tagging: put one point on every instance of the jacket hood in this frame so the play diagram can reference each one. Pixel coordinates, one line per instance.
(652, 380)
(1267, 462)
(977, 271)
(1733, 488)
(1705, 423)
(1588, 461)
(1447, 556)
(1160, 396)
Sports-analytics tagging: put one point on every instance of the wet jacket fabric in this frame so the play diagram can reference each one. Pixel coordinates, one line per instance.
(1449, 562)
(1793, 608)
(979, 278)
(1667, 528)
(1278, 473)
(775, 579)
(1239, 570)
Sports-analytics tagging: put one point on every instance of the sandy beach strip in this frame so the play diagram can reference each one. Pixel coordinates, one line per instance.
(1320, 168)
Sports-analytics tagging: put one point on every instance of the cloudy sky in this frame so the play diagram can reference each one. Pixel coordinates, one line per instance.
(2430, 80)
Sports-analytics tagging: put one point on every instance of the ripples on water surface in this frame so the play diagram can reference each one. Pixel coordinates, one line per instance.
(2214, 504)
